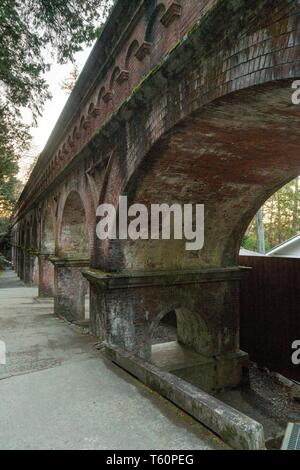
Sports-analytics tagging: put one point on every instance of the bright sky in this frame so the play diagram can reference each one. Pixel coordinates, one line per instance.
(52, 109)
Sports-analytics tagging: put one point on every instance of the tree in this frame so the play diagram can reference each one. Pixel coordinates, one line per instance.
(14, 139)
(260, 232)
(281, 218)
(68, 84)
(32, 34)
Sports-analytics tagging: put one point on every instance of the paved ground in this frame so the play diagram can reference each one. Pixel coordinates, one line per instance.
(58, 392)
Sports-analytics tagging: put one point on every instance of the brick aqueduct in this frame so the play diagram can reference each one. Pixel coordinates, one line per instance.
(179, 102)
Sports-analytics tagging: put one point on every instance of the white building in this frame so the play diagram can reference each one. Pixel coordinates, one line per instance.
(287, 249)
(244, 252)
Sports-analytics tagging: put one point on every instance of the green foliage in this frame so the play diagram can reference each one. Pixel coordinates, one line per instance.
(281, 218)
(14, 139)
(4, 241)
(4, 225)
(3, 262)
(32, 34)
(33, 31)
(4, 232)
(68, 84)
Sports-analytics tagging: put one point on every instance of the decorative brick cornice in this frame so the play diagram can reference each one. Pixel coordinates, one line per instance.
(75, 262)
(107, 97)
(87, 123)
(140, 279)
(96, 112)
(172, 13)
(143, 51)
(122, 77)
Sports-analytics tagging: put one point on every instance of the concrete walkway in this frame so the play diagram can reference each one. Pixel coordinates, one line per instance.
(58, 392)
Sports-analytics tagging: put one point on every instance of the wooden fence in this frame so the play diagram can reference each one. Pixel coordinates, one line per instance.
(270, 312)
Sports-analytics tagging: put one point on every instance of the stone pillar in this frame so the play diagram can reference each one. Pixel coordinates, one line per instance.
(126, 309)
(29, 260)
(70, 288)
(46, 275)
(13, 255)
(21, 272)
(20, 257)
(35, 273)
(17, 266)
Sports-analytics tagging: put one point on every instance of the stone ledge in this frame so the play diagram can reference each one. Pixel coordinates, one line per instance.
(122, 77)
(209, 373)
(235, 428)
(70, 262)
(46, 255)
(162, 278)
(143, 51)
(33, 252)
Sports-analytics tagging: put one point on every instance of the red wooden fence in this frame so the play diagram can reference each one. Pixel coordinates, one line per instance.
(270, 312)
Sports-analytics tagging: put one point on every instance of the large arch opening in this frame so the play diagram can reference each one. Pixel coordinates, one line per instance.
(223, 158)
(28, 260)
(47, 249)
(35, 246)
(47, 233)
(23, 251)
(269, 295)
(73, 245)
(74, 233)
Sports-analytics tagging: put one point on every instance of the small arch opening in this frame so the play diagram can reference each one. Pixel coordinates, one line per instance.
(166, 330)
(114, 75)
(130, 54)
(82, 121)
(164, 341)
(151, 27)
(74, 234)
(100, 95)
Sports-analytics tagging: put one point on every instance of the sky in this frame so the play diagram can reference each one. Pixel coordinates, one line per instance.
(53, 108)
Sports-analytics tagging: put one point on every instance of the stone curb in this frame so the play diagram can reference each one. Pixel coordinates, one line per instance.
(235, 428)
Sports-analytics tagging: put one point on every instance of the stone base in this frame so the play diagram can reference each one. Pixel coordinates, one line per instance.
(46, 276)
(211, 374)
(70, 288)
(235, 428)
(127, 309)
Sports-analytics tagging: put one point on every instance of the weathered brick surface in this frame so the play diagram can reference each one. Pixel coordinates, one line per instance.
(70, 291)
(210, 62)
(194, 109)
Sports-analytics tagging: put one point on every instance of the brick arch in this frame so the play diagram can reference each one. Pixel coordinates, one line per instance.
(151, 34)
(70, 141)
(22, 234)
(28, 235)
(82, 123)
(48, 228)
(35, 232)
(100, 95)
(114, 75)
(21, 258)
(91, 109)
(192, 329)
(75, 133)
(219, 157)
(134, 46)
(75, 222)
